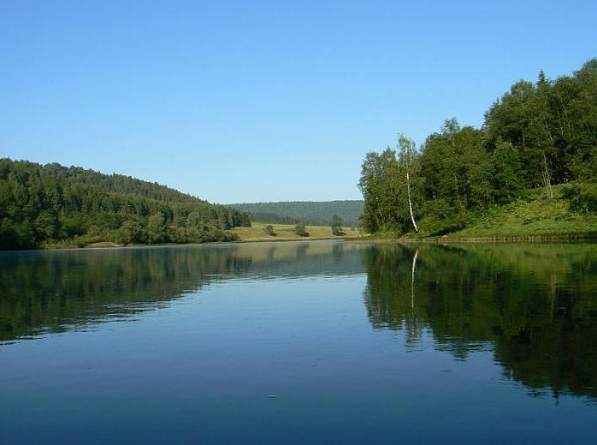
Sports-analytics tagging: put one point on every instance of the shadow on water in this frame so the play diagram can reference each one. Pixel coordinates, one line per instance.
(534, 306)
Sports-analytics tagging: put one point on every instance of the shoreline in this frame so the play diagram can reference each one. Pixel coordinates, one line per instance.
(480, 240)
(211, 243)
(508, 239)
(368, 239)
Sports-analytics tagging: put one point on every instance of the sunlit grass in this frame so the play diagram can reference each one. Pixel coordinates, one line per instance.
(536, 216)
(285, 232)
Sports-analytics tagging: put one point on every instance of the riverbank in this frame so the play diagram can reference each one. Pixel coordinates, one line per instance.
(475, 240)
(535, 218)
(254, 234)
(413, 238)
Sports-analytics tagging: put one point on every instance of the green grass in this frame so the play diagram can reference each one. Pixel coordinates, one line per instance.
(536, 216)
(285, 232)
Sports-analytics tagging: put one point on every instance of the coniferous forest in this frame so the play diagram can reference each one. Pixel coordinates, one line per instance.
(539, 136)
(71, 206)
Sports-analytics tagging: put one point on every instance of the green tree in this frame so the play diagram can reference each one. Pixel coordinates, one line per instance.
(408, 162)
(156, 230)
(245, 220)
(337, 226)
(82, 206)
(300, 229)
(536, 135)
(507, 172)
(46, 225)
(382, 189)
(132, 232)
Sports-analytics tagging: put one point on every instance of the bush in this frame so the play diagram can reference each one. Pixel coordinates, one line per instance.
(228, 236)
(301, 229)
(581, 199)
(337, 226)
(132, 232)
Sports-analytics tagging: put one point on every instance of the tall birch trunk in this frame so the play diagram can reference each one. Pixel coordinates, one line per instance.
(407, 147)
(410, 202)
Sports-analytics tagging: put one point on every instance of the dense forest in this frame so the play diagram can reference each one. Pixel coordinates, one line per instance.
(536, 136)
(52, 204)
(310, 212)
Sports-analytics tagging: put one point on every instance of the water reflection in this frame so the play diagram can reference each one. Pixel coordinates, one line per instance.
(535, 306)
(56, 291)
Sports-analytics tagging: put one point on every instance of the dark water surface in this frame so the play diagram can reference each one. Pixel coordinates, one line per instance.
(321, 342)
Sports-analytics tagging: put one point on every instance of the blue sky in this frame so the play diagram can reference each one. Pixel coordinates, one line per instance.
(240, 101)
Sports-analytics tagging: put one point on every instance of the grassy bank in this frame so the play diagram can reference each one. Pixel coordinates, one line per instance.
(534, 218)
(285, 232)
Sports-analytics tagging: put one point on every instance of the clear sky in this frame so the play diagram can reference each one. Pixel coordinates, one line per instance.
(241, 101)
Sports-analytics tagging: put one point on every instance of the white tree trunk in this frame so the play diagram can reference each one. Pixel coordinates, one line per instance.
(410, 203)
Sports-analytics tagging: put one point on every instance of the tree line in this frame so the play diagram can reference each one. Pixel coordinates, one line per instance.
(41, 204)
(537, 135)
(310, 212)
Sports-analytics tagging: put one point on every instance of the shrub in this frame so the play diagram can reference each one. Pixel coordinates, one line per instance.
(337, 226)
(581, 199)
(301, 229)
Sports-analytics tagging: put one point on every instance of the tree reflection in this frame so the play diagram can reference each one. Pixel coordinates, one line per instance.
(535, 306)
(57, 291)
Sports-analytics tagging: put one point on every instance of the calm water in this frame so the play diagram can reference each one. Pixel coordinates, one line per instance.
(321, 342)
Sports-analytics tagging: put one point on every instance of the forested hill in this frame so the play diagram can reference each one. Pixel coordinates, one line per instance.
(311, 212)
(536, 136)
(52, 204)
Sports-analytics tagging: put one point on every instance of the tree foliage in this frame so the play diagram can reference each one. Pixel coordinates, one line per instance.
(301, 229)
(50, 203)
(337, 226)
(536, 135)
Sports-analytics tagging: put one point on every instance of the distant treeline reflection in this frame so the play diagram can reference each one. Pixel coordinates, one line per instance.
(56, 291)
(535, 306)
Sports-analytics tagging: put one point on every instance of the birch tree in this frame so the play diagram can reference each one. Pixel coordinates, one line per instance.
(408, 153)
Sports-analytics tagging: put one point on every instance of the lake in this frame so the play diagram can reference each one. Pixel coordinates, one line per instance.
(307, 342)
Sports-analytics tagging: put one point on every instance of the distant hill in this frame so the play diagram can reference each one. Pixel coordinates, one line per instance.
(312, 212)
(51, 204)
